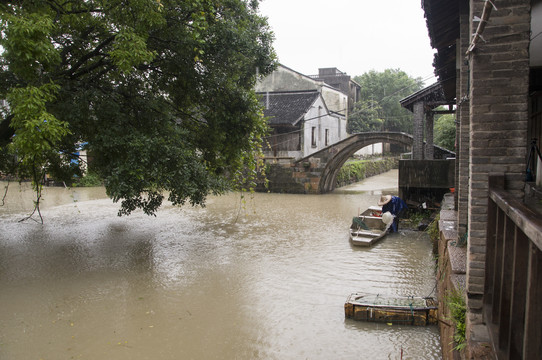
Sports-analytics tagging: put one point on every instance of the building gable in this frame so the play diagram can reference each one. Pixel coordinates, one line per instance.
(287, 108)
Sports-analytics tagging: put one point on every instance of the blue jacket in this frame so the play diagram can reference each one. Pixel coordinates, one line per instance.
(396, 206)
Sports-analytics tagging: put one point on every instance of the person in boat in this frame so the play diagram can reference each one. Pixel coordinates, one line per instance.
(396, 206)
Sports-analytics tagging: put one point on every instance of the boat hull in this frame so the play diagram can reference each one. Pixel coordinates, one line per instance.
(365, 238)
(395, 310)
(372, 229)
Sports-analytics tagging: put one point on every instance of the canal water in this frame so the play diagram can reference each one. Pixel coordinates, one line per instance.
(264, 277)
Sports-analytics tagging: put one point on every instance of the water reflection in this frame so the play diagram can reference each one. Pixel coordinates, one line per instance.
(263, 282)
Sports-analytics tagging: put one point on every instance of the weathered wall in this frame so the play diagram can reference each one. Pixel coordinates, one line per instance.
(280, 179)
(427, 173)
(286, 79)
(335, 101)
(463, 123)
(289, 177)
(318, 118)
(417, 131)
(425, 180)
(499, 79)
(536, 29)
(450, 275)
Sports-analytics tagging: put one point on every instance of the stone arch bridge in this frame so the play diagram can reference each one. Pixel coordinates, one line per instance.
(317, 173)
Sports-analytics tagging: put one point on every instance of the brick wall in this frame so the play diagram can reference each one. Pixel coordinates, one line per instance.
(463, 125)
(499, 79)
(417, 131)
(429, 147)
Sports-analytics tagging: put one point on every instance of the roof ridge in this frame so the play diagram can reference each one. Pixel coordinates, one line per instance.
(287, 92)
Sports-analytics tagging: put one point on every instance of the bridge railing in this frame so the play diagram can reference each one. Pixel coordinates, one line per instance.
(513, 275)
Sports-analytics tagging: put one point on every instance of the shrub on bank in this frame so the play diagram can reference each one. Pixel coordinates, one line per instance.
(89, 180)
(357, 170)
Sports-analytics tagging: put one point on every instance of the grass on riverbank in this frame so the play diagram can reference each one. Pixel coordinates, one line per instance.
(357, 170)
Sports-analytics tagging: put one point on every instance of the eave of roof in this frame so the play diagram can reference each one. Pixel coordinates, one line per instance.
(442, 20)
(432, 96)
(287, 107)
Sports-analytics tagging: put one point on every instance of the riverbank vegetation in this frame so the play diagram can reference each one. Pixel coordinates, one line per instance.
(88, 180)
(455, 301)
(355, 170)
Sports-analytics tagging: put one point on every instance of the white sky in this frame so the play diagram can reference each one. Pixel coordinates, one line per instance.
(355, 36)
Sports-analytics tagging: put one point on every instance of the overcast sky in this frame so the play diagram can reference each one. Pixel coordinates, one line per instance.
(355, 36)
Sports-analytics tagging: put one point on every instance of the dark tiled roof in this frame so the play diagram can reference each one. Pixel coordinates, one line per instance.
(431, 96)
(287, 108)
(442, 19)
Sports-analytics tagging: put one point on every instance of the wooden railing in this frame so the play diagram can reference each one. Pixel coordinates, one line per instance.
(513, 275)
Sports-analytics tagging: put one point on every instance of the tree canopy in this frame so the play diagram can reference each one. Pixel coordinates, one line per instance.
(365, 117)
(160, 93)
(445, 131)
(386, 89)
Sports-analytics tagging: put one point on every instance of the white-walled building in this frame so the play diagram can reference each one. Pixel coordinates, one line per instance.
(285, 79)
(300, 128)
(301, 123)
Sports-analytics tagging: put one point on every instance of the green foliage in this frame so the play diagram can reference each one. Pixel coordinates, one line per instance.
(365, 117)
(37, 130)
(445, 131)
(414, 216)
(28, 48)
(89, 179)
(458, 309)
(386, 89)
(160, 91)
(357, 170)
(129, 50)
(433, 229)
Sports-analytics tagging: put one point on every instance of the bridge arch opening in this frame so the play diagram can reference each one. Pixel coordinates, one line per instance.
(350, 146)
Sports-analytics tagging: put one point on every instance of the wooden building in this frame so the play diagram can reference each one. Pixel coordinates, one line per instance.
(301, 124)
(305, 113)
(489, 62)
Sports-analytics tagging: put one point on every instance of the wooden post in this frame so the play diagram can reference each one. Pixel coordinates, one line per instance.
(532, 347)
(519, 293)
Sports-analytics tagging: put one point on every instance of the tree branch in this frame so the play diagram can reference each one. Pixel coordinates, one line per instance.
(60, 9)
(86, 57)
(38, 188)
(5, 194)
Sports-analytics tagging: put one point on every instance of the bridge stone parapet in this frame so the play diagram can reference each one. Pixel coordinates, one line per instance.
(317, 173)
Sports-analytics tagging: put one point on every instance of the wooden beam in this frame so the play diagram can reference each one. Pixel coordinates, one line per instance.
(443, 111)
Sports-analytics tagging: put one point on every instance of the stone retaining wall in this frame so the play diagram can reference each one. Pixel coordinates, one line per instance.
(451, 276)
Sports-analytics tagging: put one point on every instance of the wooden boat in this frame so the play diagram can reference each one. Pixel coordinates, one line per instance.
(368, 227)
(396, 310)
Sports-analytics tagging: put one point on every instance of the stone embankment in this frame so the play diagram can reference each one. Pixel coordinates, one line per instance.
(288, 176)
(451, 279)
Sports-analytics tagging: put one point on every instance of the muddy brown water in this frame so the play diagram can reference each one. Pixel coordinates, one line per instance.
(264, 280)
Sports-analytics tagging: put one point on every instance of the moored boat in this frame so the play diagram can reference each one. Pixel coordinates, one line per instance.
(407, 310)
(368, 227)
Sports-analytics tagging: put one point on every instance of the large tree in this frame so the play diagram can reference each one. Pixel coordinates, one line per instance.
(365, 117)
(445, 131)
(386, 89)
(160, 93)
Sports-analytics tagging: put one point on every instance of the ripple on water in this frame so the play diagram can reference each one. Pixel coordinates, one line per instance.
(265, 281)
